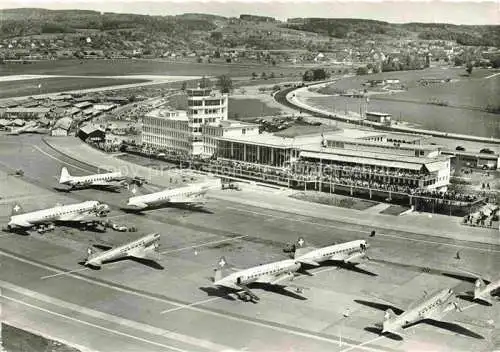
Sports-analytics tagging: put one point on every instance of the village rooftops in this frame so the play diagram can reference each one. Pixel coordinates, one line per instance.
(22, 110)
(83, 104)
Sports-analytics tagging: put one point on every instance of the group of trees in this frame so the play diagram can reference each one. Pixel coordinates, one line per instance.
(317, 74)
(342, 27)
(389, 65)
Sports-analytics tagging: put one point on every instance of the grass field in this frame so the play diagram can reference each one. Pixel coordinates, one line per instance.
(468, 93)
(17, 340)
(409, 78)
(60, 84)
(136, 67)
(335, 200)
(394, 210)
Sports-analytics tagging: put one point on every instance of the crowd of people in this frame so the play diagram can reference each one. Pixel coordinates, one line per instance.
(450, 195)
(302, 173)
(305, 167)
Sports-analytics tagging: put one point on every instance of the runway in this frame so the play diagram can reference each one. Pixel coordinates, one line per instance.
(179, 299)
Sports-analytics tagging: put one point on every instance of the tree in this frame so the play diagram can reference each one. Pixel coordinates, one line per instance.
(225, 84)
(495, 62)
(205, 82)
(216, 36)
(469, 68)
(458, 61)
(184, 86)
(308, 76)
(362, 70)
(254, 75)
(263, 75)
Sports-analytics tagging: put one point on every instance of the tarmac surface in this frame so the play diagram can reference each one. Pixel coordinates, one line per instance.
(128, 306)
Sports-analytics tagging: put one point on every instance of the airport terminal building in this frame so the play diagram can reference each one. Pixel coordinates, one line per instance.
(369, 159)
(193, 132)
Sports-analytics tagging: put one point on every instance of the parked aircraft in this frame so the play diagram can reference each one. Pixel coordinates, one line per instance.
(140, 250)
(270, 274)
(433, 307)
(430, 309)
(31, 127)
(348, 252)
(188, 195)
(486, 291)
(80, 212)
(113, 180)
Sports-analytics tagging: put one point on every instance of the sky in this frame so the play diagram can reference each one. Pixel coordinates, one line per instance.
(395, 11)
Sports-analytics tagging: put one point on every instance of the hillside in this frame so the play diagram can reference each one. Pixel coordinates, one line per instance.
(84, 31)
(357, 28)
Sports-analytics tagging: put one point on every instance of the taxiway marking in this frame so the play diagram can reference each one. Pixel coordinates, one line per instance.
(365, 232)
(203, 244)
(191, 305)
(99, 327)
(57, 159)
(493, 75)
(64, 273)
(363, 343)
(469, 306)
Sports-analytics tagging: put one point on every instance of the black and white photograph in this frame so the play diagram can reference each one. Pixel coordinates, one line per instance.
(249, 176)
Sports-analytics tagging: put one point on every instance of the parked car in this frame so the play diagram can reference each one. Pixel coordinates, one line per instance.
(231, 185)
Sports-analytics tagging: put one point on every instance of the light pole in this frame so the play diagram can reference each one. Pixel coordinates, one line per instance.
(345, 315)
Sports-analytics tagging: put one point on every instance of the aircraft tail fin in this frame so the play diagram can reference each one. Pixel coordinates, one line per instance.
(90, 253)
(65, 176)
(478, 286)
(17, 209)
(389, 314)
(301, 247)
(387, 325)
(221, 269)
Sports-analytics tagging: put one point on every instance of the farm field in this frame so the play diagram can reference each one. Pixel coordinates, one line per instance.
(136, 67)
(57, 84)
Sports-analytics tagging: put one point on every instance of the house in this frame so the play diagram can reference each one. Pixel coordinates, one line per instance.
(379, 117)
(92, 133)
(83, 105)
(392, 81)
(72, 111)
(62, 127)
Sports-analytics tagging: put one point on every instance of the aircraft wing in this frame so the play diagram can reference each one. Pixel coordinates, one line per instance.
(308, 262)
(281, 278)
(140, 253)
(190, 200)
(354, 258)
(392, 301)
(83, 218)
(486, 278)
